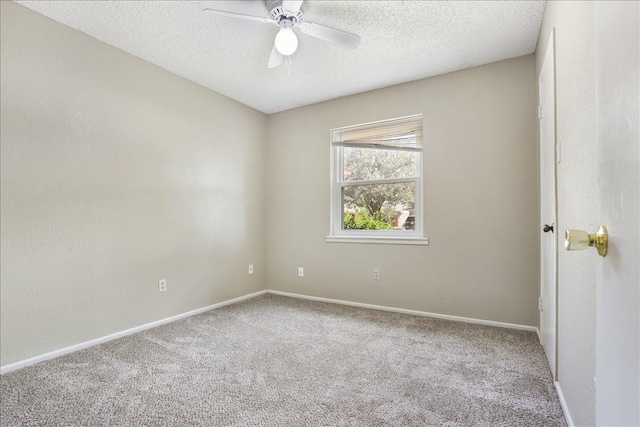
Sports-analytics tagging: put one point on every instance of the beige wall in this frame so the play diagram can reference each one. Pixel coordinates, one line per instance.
(481, 202)
(577, 204)
(116, 173)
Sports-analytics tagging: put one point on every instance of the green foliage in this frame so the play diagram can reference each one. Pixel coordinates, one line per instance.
(368, 164)
(364, 221)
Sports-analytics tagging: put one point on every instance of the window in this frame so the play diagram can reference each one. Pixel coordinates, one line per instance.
(376, 184)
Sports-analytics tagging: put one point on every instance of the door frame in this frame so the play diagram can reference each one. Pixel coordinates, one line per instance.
(550, 56)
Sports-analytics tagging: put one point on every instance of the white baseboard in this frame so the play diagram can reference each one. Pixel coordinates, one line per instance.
(414, 312)
(563, 403)
(57, 353)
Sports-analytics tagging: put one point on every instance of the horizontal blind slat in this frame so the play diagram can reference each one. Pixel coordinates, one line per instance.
(376, 146)
(404, 133)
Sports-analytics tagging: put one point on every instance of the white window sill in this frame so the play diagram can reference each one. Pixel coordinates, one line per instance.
(422, 241)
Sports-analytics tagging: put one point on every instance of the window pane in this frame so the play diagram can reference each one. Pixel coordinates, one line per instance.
(370, 163)
(379, 206)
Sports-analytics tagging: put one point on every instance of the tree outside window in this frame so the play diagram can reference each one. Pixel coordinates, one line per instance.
(378, 178)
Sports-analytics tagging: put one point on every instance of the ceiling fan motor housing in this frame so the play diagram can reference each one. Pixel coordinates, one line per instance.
(279, 13)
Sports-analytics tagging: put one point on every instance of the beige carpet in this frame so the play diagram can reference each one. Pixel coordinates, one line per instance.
(278, 361)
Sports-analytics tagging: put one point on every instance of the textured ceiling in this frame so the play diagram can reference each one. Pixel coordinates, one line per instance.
(401, 41)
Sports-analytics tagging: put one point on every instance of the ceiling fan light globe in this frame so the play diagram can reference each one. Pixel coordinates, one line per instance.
(286, 41)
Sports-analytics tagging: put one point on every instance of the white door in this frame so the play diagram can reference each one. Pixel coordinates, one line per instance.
(618, 285)
(548, 245)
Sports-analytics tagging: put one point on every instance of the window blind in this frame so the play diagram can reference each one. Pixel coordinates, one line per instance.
(397, 134)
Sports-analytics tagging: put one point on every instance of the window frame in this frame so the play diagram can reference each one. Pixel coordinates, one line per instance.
(337, 232)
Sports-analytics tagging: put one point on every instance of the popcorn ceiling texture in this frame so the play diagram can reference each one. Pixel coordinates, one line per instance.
(281, 361)
(401, 41)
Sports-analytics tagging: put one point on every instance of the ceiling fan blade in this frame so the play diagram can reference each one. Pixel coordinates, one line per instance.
(240, 15)
(330, 34)
(275, 59)
(292, 6)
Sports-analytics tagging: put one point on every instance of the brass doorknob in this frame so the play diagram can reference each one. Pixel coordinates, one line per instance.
(578, 239)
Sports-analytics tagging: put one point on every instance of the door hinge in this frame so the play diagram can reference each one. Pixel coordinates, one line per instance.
(539, 111)
(539, 304)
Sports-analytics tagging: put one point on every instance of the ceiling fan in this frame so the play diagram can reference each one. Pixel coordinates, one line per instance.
(287, 15)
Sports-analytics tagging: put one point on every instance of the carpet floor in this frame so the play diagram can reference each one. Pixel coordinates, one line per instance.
(279, 361)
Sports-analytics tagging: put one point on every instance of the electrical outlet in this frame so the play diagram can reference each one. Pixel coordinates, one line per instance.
(540, 304)
(376, 274)
(162, 285)
(300, 272)
(250, 268)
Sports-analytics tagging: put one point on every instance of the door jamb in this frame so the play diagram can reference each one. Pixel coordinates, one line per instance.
(551, 51)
